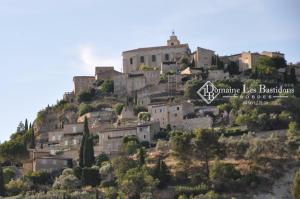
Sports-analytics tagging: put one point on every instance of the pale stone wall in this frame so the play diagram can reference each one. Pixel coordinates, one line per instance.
(195, 123)
(169, 67)
(214, 75)
(272, 54)
(126, 84)
(105, 72)
(82, 83)
(161, 54)
(144, 95)
(203, 57)
(50, 164)
(172, 114)
(55, 136)
(111, 140)
(73, 128)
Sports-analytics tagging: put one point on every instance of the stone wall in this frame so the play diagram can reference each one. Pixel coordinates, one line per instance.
(82, 83)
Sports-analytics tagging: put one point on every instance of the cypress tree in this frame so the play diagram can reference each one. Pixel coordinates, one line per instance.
(87, 158)
(161, 172)
(32, 139)
(293, 77)
(26, 125)
(2, 189)
(141, 156)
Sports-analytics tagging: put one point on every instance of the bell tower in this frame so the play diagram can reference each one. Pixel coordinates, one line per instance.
(173, 41)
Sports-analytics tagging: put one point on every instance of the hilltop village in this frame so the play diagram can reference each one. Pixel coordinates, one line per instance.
(150, 108)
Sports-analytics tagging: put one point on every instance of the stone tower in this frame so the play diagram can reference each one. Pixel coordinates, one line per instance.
(173, 41)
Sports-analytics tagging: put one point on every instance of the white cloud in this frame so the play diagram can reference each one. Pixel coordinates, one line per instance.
(89, 58)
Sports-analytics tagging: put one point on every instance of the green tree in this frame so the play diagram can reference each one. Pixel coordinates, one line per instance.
(26, 125)
(141, 156)
(207, 147)
(108, 86)
(20, 127)
(32, 139)
(295, 189)
(101, 158)
(86, 154)
(135, 182)
(191, 87)
(293, 131)
(67, 180)
(118, 108)
(2, 188)
(8, 174)
(293, 78)
(161, 172)
(144, 116)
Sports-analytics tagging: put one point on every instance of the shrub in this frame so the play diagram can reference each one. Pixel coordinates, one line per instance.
(67, 181)
(110, 193)
(39, 177)
(118, 108)
(188, 190)
(296, 186)
(15, 187)
(107, 86)
(145, 144)
(90, 177)
(224, 176)
(8, 174)
(86, 96)
(101, 158)
(85, 108)
(137, 109)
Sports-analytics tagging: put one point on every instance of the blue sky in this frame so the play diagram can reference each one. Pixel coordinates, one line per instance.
(43, 44)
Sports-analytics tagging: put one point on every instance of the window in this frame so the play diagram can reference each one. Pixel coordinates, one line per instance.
(144, 136)
(66, 143)
(131, 61)
(65, 162)
(74, 129)
(175, 114)
(161, 110)
(142, 59)
(153, 58)
(167, 57)
(172, 44)
(178, 108)
(53, 138)
(141, 129)
(74, 141)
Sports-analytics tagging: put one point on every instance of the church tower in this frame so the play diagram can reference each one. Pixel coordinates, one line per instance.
(173, 41)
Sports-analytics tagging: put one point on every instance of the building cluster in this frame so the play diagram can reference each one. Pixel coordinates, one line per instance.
(153, 78)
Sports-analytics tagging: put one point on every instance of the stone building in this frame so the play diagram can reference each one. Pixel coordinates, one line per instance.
(82, 83)
(105, 72)
(203, 58)
(272, 54)
(154, 56)
(245, 60)
(170, 113)
(214, 75)
(42, 160)
(111, 140)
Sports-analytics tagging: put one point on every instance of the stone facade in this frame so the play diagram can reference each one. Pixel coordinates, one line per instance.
(214, 75)
(111, 140)
(196, 123)
(105, 72)
(272, 54)
(169, 67)
(170, 113)
(154, 56)
(203, 58)
(50, 163)
(82, 83)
